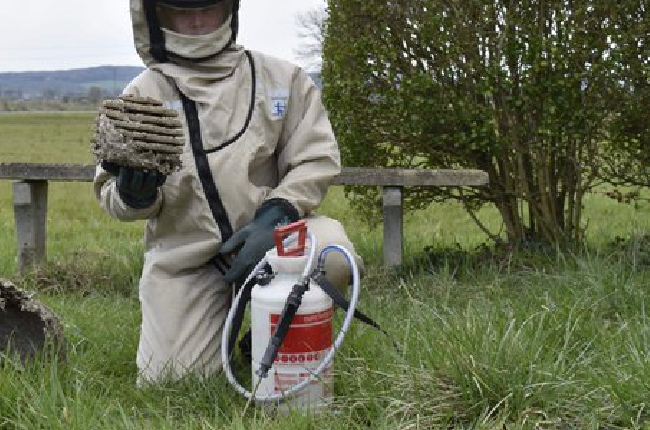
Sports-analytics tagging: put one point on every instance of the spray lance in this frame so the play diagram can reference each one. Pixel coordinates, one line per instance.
(291, 322)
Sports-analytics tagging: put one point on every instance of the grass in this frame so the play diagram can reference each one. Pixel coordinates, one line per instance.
(533, 341)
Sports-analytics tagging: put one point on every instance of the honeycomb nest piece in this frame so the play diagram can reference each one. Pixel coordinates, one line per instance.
(139, 132)
(27, 326)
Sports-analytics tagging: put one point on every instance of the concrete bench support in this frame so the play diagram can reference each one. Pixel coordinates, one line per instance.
(30, 212)
(393, 226)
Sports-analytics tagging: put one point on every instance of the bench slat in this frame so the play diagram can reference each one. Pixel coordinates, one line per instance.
(47, 172)
(366, 176)
(389, 177)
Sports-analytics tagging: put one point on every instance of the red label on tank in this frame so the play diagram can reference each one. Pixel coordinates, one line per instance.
(308, 334)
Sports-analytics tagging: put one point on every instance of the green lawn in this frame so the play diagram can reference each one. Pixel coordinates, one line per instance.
(534, 341)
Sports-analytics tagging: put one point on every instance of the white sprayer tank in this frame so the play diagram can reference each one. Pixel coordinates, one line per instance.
(308, 339)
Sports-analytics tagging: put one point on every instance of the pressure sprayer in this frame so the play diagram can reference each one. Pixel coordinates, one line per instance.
(291, 323)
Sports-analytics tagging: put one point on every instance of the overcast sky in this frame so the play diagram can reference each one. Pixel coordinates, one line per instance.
(66, 34)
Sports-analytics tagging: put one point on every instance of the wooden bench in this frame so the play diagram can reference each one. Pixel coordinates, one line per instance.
(31, 184)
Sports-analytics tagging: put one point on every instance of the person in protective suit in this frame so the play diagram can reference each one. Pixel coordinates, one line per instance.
(260, 152)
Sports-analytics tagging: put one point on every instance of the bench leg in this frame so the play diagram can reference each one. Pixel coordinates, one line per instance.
(393, 226)
(30, 212)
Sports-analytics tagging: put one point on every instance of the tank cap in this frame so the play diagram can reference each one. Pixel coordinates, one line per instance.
(282, 232)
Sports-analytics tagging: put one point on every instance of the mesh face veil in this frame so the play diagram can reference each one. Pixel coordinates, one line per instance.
(193, 21)
(188, 18)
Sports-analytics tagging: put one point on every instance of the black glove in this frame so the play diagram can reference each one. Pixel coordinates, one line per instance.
(138, 188)
(256, 238)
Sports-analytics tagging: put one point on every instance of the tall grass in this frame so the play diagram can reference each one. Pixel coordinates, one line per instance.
(485, 341)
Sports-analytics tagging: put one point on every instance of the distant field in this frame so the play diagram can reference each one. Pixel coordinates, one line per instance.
(46, 137)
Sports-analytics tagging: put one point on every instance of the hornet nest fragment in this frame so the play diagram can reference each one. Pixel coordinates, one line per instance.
(139, 132)
(27, 326)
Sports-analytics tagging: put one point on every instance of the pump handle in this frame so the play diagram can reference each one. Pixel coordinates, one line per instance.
(282, 232)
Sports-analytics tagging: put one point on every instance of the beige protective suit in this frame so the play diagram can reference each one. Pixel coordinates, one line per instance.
(265, 135)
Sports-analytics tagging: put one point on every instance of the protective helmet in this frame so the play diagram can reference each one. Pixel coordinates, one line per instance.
(157, 45)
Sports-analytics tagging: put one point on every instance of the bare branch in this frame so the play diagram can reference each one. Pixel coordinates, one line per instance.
(311, 31)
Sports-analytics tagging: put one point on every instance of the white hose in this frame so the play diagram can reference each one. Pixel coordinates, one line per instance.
(349, 316)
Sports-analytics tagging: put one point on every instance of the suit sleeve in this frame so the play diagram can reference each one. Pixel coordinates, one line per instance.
(308, 154)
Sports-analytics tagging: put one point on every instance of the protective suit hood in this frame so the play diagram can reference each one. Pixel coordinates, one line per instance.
(184, 57)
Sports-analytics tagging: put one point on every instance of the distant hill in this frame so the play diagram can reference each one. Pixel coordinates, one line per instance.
(58, 84)
(74, 83)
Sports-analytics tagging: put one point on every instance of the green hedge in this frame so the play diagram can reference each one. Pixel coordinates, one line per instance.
(547, 97)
